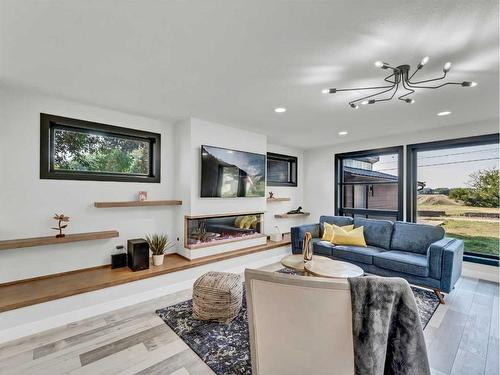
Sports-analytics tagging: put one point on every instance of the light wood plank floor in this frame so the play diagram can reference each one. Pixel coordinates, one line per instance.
(462, 338)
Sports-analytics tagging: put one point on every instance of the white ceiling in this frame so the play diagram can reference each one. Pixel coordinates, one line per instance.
(234, 61)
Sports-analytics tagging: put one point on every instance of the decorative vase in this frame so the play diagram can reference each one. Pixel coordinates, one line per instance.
(307, 250)
(158, 259)
(276, 236)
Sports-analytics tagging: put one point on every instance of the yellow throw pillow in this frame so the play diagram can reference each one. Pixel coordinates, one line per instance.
(238, 220)
(328, 231)
(255, 220)
(250, 222)
(354, 237)
(243, 222)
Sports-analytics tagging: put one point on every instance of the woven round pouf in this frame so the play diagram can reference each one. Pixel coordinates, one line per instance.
(217, 296)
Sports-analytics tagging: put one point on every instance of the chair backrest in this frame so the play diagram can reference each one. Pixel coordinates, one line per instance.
(299, 324)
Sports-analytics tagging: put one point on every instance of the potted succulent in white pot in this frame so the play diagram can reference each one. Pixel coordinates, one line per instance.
(158, 244)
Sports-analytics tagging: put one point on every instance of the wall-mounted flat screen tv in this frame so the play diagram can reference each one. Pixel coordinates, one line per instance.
(231, 173)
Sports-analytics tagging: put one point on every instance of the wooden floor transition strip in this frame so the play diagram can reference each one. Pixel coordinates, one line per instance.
(29, 292)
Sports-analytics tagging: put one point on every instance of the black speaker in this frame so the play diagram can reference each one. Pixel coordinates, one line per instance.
(138, 254)
(119, 260)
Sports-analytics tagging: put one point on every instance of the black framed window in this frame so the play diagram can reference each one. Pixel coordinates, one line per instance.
(369, 184)
(72, 149)
(281, 170)
(454, 183)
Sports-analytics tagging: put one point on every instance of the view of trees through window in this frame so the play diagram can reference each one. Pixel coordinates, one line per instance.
(88, 152)
(458, 189)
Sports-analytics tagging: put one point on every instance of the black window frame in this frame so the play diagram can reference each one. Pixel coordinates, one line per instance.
(49, 123)
(411, 181)
(339, 183)
(292, 161)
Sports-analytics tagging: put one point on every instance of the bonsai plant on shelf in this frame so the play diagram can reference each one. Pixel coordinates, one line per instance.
(158, 244)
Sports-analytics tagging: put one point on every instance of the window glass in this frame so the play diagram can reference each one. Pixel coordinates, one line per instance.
(369, 182)
(458, 190)
(84, 151)
(281, 170)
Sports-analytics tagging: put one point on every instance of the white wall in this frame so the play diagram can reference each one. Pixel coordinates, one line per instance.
(191, 134)
(212, 134)
(319, 163)
(296, 195)
(28, 203)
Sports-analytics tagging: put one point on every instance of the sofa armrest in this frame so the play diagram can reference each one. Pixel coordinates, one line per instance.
(298, 233)
(435, 256)
(445, 261)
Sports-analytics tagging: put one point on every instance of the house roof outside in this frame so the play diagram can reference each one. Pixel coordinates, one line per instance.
(368, 173)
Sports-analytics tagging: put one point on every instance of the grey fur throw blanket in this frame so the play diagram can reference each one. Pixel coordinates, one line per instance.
(387, 334)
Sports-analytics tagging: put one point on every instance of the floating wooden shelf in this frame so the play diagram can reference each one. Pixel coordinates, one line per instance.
(29, 292)
(284, 216)
(278, 199)
(53, 240)
(137, 203)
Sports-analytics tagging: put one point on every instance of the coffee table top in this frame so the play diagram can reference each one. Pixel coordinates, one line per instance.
(295, 261)
(326, 267)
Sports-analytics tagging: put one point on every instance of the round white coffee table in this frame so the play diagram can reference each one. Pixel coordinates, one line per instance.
(295, 261)
(326, 267)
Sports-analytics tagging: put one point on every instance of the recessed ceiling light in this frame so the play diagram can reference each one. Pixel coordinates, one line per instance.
(444, 113)
(343, 132)
(279, 110)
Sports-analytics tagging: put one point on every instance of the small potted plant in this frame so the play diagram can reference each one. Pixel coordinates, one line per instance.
(158, 244)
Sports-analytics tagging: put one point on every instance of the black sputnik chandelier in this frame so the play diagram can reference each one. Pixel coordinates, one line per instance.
(399, 80)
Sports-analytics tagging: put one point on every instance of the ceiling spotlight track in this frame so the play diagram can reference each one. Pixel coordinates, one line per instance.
(400, 78)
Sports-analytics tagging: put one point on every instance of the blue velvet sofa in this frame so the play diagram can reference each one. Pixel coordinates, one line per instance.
(416, 252)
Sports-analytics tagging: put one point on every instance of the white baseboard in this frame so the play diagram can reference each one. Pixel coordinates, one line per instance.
(44, 316)
(481, 271)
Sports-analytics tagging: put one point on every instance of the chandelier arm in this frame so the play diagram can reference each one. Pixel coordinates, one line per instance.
(372, 95)
(389, 76)
(415, 72)
(392, 96)
(434, 87)
(391, 67)
(411, 91)
(427, 80)
(364, 88)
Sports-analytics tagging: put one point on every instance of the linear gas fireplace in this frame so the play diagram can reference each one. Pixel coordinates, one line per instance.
(210, 230)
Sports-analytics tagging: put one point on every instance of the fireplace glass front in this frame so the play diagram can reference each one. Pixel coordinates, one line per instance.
(208, 231)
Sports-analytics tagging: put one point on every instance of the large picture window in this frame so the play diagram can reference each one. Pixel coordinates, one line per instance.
(454, 184)
(73, 149)
(369, 184)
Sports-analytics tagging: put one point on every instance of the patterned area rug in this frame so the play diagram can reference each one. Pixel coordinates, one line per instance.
(225, 347)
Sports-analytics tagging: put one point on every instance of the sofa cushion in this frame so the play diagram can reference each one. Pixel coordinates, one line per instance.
(321, 247)
(356, 253)
(377, 232)
(403, 261)
(337, 220)
(415, 238)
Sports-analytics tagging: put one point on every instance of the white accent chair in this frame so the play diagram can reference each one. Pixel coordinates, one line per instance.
(299, 325)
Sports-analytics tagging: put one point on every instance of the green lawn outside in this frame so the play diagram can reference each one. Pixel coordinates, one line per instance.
(477, 244)
(480, 236)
